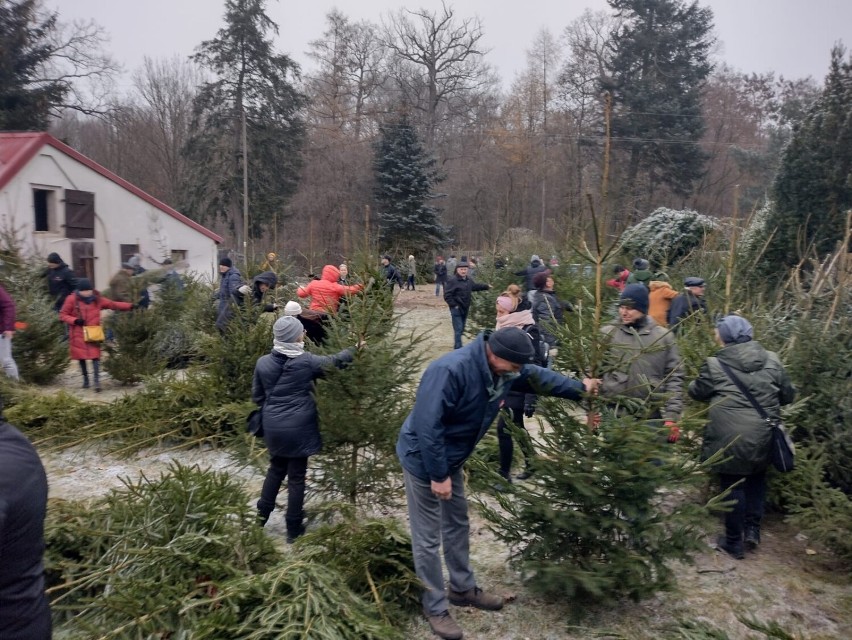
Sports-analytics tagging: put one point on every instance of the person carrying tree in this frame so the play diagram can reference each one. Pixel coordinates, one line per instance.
(457, 295)
(457, 400)
(283, 387)
(83, 309)
(642, 363)
(325, 293)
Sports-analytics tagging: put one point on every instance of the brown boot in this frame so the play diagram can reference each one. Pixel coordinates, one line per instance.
(476, 597)
(445, 627)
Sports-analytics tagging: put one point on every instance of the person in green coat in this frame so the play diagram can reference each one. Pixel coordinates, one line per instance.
(737, 427)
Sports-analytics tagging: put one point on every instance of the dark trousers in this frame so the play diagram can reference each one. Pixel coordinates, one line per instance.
(459, 317)
(409, 284)
(504, 438)
(294, 469)
(748, 497)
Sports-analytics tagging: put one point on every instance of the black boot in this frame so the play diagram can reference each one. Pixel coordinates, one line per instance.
(733, 548)
(295, 528)
(752, 537)
(262, 518)
(85, 382)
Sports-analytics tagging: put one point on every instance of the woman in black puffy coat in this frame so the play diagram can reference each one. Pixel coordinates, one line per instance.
(283, 387)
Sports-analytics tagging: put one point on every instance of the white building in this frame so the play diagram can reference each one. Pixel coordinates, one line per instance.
(58, 200)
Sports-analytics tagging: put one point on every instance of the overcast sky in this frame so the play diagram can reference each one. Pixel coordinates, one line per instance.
(793, 38)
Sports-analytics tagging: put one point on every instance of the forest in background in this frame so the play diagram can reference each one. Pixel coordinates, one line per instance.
(628, 97)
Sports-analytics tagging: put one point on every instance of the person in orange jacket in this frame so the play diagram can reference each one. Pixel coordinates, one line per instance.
(83, 308)
(660, 299)
(326, 292)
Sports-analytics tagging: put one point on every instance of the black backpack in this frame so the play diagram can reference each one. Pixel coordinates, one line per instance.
(539, 345)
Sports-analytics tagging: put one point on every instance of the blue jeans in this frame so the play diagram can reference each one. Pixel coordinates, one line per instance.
(459, 318)
(436, 523)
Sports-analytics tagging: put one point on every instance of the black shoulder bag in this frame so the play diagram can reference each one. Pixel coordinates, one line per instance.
(254, 420)
(782, 453)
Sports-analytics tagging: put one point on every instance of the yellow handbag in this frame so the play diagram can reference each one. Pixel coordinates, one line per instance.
(93, 333)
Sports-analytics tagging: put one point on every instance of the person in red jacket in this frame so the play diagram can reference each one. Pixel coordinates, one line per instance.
(83, 309)
(620, 279)
(7, 330)
(326, 292)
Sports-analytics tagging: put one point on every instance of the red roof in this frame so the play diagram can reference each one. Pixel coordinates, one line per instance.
(16, 149)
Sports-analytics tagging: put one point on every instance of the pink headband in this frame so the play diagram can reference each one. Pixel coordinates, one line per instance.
(506, 303)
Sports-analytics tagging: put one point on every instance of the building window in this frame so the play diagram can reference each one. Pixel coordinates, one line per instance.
(44, 204)
(128, 251)
(178, 255)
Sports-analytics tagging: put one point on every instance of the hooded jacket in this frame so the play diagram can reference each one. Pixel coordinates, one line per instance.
(326, 292)
(659, 301)
(643, 364)
(267, 278)
(61, 283)
(733, 421)
(284, 388)
(457, 401)
(683, 306)
(642, 276)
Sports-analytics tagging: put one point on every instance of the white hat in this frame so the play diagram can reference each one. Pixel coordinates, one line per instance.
(292, 308)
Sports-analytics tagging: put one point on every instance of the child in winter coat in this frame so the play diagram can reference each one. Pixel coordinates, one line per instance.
(83, 309)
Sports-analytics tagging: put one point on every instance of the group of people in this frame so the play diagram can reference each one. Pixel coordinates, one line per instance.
(668, 307)
(462, 392)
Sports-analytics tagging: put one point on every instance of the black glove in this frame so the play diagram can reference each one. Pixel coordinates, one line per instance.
(529, 410)
(79, 322)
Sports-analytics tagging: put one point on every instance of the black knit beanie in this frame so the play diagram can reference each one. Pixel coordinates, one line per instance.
(512, 344)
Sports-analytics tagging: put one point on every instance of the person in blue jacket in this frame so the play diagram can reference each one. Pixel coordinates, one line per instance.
(458, 399)
(283, 386)
(229, 293)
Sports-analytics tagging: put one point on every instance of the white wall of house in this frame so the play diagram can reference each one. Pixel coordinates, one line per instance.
(121, 218)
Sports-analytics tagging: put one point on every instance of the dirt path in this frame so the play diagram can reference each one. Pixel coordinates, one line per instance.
(786, 581)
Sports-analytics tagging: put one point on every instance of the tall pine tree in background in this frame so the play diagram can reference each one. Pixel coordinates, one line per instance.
(406, 177)
(26, 98)
(813, 186)
(659, 66)
(255, 83)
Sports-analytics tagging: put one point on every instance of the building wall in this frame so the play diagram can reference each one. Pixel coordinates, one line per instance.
(121, 218)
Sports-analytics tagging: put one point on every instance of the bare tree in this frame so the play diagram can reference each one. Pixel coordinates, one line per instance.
(437, 58)
(166, 90)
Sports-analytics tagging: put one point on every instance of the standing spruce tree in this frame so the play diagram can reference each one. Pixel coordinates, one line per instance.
(813, 187)
(405, 179)
(657, 71)
(25, 47)
(253, 85)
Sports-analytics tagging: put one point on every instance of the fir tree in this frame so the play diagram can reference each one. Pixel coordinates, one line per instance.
(25, 47)
(362, 406)
(406, 177)
(813, 188)
(659, 65)
(254, 83)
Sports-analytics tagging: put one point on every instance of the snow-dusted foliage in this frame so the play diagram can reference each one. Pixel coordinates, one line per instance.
(667, 235)
(755, 233)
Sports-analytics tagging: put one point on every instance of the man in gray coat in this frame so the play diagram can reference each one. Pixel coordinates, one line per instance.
(643, 362)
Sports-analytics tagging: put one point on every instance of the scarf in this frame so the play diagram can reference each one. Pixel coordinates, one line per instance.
(289, 349)
(518, 319)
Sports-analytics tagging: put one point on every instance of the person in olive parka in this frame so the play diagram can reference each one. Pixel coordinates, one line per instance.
(735, 424)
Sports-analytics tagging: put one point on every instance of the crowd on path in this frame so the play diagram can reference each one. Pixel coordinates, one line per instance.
(496, 376)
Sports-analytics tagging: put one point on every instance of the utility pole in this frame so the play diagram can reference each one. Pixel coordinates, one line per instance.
(245, 184)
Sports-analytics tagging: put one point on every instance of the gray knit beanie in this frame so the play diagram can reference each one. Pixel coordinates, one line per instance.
(288, 329)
